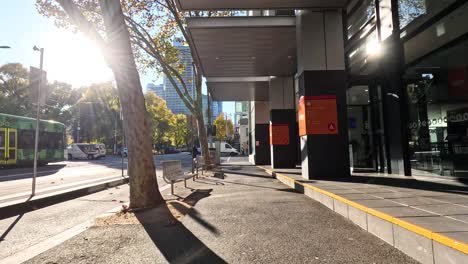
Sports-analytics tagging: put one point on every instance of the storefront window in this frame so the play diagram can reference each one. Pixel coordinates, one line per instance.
(415, 12)
(437, 91)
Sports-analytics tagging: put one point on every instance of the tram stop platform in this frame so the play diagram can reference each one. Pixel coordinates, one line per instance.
(425, 218)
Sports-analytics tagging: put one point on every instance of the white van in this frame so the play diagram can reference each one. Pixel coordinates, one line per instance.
(102, 150)
(226, 149)
(84, 151)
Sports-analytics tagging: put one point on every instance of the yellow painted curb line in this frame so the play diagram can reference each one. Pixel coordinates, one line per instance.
(444, 240)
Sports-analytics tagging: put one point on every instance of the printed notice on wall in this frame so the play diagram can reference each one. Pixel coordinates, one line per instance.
(318, 115)
(279, 134)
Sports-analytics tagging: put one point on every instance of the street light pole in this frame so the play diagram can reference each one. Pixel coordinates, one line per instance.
(36, 140)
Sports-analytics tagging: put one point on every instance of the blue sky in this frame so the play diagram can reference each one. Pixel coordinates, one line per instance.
(68, 57)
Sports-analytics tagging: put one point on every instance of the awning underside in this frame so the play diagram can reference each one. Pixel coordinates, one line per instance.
(237, 47)
(238, 91)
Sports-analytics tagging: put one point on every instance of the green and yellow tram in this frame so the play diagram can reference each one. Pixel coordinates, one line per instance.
(17, 141)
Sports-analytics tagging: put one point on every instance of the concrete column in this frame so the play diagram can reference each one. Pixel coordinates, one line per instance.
(322, 79)
(283, 126)
(260, 133)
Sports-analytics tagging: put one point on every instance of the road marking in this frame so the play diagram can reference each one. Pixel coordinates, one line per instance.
(34, 250)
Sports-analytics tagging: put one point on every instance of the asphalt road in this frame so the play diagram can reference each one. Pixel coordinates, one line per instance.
(16, 183)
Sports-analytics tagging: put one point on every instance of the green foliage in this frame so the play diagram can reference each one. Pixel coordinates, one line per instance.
(15, 97)
(18, 98)
(98, 113)
(181, 131)
(162, 119)
(221, 126)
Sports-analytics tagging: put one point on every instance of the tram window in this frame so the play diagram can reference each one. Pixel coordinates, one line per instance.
(12, 138)
(50, 140)
(25, 139)
(2, 138)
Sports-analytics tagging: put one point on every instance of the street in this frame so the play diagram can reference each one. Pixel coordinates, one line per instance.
(25, 230)
(15, 184)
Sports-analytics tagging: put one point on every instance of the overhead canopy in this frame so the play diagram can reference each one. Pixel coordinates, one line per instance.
(238, 89)
(187, 5)
(245, 46)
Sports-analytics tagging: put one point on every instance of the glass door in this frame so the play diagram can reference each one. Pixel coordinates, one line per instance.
(3, 146)
(366, 133)
(11, 146)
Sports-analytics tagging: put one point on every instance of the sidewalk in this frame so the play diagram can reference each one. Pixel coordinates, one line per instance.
(427, 219)
(248, 217)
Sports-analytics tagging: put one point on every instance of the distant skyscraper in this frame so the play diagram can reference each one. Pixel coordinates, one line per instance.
(158, 89)
(241, 111)
(173, 100)
(217, 109)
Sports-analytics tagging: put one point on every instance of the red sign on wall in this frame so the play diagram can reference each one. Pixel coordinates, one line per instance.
(279, 134)
(318, 115)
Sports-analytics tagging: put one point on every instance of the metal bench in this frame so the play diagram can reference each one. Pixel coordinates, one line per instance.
(199, 163)
(172, 173)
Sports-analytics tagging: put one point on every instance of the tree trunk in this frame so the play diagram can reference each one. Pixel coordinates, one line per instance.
(137, 126)
(203, 138)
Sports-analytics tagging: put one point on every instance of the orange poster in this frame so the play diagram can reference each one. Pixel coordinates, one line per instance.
(318, 115)
(279, 134)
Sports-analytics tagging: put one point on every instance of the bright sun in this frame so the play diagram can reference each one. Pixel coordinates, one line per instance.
(73, 59)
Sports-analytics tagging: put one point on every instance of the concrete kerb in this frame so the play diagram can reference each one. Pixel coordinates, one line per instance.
(442, 249)
(19, 207)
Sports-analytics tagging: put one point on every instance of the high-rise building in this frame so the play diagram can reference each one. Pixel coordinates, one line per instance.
(217, 109)
(173, 100)
(241, 109)
(158, 89)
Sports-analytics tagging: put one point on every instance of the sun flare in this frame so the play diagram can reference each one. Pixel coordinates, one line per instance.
(74, 59)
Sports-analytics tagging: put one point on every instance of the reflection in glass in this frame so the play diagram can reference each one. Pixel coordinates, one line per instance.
(415, 12)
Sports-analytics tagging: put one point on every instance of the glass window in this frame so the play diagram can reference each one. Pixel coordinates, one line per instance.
(2, 139)
(415, 12)
(26, 139)
(360, 17)
(360, 55)
(437, 92)
(12, 139)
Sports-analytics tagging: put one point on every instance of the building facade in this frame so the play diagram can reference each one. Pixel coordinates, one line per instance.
(373, 85)
(158, 89)
(173, 100)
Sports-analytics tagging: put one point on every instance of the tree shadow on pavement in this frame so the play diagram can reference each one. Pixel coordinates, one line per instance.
(177, 243)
